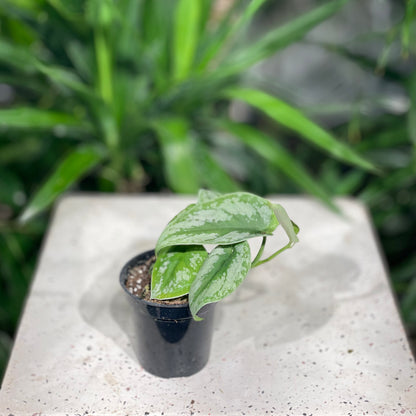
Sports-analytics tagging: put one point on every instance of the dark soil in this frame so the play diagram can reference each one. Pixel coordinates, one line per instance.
(138, 284)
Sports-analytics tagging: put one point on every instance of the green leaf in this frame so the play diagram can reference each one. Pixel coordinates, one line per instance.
(389, 73)
(131, 11)
(24, 59)
(214, 37)
(25, 5)
(179, 165)
(107, 123)
(69, 10)
(246, 17)
(104, 58)
(279, 38)
(63, 77)
(186, 31)
(207, 7)
(100, 13)
(156, 44)
(81, 58)
(221, 40)
(72, 168)
(228, 219)
(293, 119)
(222, 272)
(279, 157)
(19, 30)
(26, 117)
(175, 269)
(17, 56)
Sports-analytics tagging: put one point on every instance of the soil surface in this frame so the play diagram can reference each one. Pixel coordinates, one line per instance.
(138, 284)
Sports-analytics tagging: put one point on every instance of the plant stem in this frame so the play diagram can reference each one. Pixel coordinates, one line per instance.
(256, 261)
(272, 256)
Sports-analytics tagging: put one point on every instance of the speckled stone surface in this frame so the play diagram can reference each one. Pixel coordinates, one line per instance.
(315, 332)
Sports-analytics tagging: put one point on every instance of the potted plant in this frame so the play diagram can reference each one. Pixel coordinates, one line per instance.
(174, 287)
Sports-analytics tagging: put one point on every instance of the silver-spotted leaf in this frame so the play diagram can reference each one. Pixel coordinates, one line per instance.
(222, 272)
(175, 269)
(226, 219)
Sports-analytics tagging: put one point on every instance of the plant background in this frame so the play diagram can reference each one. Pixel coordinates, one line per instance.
(161, 96)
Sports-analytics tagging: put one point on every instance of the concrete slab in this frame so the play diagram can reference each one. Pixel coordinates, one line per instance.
(315, 332)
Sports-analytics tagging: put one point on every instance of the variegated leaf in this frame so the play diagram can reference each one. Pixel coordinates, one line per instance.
(227, 219)
(175, 269)
(222, 272)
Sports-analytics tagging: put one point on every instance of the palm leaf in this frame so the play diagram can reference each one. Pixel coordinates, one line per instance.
(279, 38)
(227, 33)
(19, 57)
(279, 157)
(293, 119)
(186, 31)
(27, 117)
(176, 144)
(71, 169)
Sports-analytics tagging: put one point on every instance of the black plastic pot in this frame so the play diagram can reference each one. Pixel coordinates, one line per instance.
(168, 342)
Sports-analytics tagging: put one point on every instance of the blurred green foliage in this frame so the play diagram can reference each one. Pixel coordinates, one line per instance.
(134, 95)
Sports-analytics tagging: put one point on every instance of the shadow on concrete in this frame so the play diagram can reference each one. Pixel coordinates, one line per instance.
(105, 307)
(277, 303)
(281, 304)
